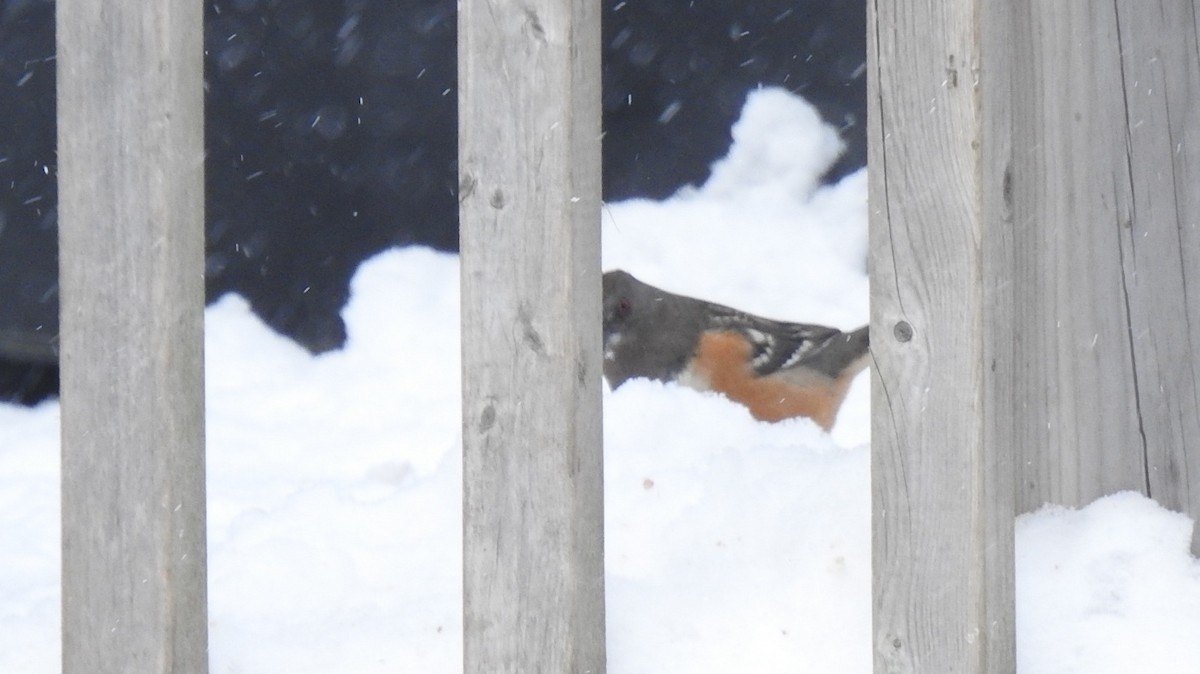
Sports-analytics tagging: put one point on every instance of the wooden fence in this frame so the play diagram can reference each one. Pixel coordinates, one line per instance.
(1034, 241)
(1035, 316)
(529, 193)
(131, 270)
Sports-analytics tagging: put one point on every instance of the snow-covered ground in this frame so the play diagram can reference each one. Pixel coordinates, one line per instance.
(732, 545)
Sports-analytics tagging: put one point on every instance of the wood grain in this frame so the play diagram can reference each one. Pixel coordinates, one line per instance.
(1161, 75)
(940, 300)
(1108, 253)
(130, 151)
(1078, 438)
(529, 166)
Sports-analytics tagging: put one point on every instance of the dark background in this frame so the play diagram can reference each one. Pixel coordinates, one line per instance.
(331, 134)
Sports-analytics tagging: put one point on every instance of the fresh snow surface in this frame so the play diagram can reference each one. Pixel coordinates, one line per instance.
(732, 545)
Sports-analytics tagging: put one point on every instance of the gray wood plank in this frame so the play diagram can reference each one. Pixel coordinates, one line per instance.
(941, 303)
(1108, 253)
(1160, 71)
(529, 165)
(1079, 437)
(131, 273)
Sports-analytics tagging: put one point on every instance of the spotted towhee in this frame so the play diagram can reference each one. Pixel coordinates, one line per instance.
(778, 370)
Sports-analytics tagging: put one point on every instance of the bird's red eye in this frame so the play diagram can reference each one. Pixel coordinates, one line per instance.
(624, 306)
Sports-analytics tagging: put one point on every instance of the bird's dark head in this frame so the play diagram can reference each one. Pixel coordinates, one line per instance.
(648, 332)
(621, 292)
(624, 297)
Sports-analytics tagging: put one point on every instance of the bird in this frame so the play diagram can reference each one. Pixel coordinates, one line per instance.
(778, 370)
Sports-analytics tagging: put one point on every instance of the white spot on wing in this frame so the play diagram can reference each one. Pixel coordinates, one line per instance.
(798, 355)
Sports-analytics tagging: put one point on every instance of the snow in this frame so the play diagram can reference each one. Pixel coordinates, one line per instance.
(732, 545)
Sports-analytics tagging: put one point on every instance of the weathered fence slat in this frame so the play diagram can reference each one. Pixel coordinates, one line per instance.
(1051, 206)
(529, 165)
(1079, 438)
(1106, 163)
(942, 468)
(130, 150)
